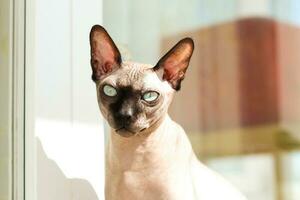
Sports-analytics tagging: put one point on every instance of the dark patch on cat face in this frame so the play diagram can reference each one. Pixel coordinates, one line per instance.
(129, 113)
(126, 108)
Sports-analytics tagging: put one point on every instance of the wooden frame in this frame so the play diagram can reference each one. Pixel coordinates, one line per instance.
(18, 101)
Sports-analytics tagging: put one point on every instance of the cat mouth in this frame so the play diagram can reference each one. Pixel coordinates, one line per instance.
(143, 129)
(124, 129)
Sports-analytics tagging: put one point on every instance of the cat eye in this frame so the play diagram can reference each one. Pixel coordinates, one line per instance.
(109, 90)
(150, 96)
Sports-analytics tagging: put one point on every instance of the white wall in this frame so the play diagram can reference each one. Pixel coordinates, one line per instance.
(262, 8)
(140, 25)
(69, 133)
(287, 11)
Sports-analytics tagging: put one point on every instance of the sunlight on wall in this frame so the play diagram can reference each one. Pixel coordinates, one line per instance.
(75, 149)
(69, 133)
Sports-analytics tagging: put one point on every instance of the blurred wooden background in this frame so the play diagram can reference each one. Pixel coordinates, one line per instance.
(241, 93)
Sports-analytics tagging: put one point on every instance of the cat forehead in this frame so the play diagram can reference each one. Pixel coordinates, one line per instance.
(132, 74)
(136, 75)
(129, 65)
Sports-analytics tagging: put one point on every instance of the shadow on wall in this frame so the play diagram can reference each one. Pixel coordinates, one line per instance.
(53, 184)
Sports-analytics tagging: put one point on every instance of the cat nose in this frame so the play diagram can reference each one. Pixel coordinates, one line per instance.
(126, 115)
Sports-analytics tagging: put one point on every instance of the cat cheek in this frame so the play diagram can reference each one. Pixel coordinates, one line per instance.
(152, 115)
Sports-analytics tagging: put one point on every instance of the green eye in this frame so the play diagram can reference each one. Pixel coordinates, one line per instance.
(109, 91)
(150, 96)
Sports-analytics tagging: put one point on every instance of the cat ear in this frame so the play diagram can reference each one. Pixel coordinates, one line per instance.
(173, 65)
(105, 56)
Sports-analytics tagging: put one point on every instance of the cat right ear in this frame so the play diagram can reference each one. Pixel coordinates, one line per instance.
(175, 62)
(105, 56)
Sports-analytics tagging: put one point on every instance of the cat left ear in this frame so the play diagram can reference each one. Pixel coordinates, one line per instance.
(174, 63)
(105, 55)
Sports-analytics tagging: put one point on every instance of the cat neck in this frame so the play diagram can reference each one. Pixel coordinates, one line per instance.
(143, 150)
